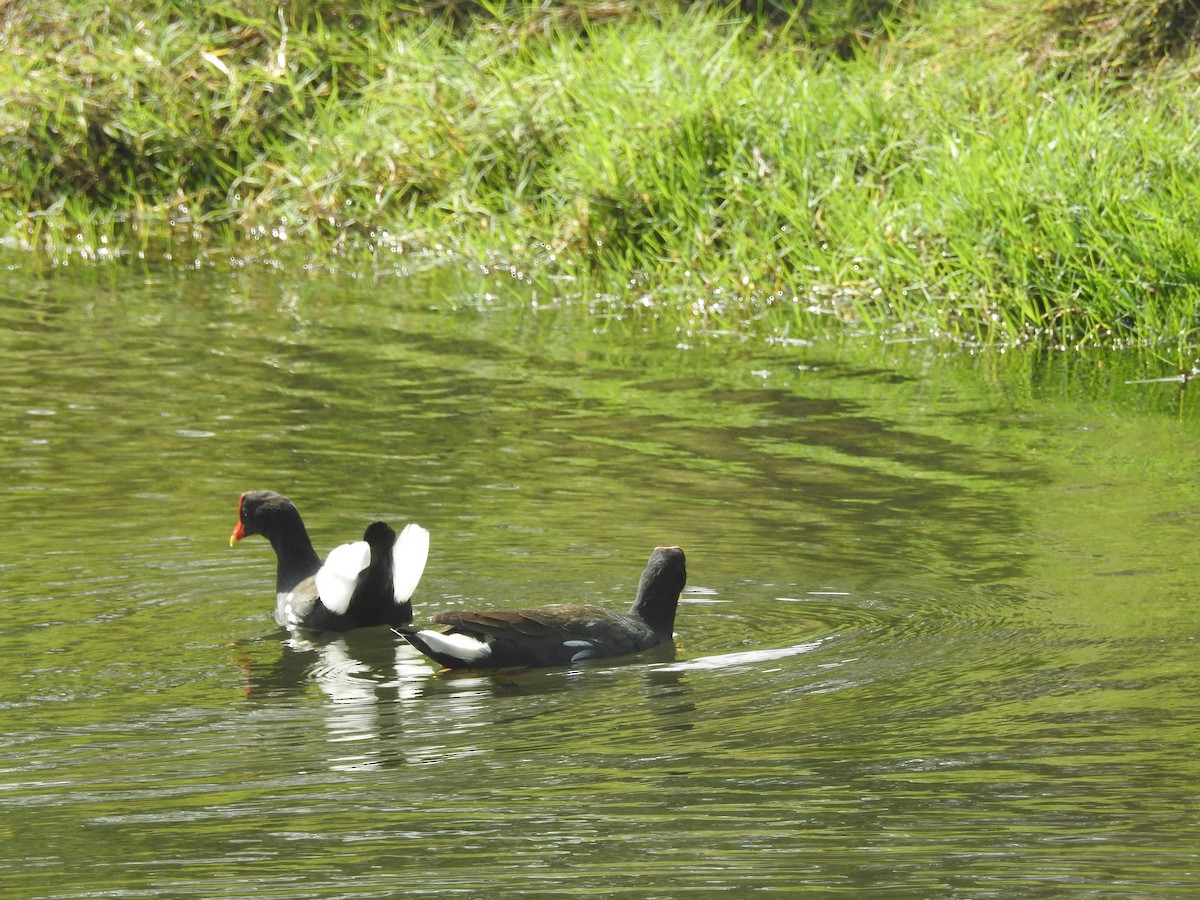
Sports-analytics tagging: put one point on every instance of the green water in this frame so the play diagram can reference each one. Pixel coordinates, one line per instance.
(939, 638)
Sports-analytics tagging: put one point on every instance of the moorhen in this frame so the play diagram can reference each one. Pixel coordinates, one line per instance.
(560, 634)
(364, 583)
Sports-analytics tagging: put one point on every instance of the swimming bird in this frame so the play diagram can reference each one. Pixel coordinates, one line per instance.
(360, 584)
(560, 634)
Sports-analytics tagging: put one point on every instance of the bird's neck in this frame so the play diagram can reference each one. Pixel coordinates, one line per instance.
(656, 607)
(295, 558)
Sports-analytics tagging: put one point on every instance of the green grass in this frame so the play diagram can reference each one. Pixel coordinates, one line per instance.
(986, 174)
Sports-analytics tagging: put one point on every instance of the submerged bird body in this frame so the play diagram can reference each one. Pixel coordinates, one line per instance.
(560, 634)
(360, 584)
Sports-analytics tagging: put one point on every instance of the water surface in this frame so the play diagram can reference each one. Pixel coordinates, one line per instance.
(939, 637)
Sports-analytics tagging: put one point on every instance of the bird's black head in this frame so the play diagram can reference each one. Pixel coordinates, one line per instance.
(658, 592)
(259, 512)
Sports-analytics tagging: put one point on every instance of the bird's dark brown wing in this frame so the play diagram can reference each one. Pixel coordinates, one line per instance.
(551, 635)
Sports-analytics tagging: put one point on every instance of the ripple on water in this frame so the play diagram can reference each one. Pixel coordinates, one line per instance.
(864, 697)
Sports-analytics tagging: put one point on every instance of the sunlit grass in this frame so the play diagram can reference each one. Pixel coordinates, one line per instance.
(731, 174)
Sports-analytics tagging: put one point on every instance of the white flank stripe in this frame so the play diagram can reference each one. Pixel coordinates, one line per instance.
(584, 649)
(460, 646)
(335, 579)
(409, 554)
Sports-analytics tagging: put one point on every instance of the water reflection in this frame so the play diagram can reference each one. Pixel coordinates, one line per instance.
(384, 704)
(744, 658)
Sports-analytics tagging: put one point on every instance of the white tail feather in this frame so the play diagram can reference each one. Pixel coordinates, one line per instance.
(409, 554)
(336, 579)
(460, 646)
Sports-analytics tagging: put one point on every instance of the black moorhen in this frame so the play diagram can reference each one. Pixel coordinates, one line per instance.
(364, 583)
(560, 634)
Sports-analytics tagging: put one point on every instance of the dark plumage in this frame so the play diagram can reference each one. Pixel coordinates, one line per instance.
(363, 583)
(560, 634)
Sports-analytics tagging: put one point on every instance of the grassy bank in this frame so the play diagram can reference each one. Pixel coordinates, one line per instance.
(984, 173)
